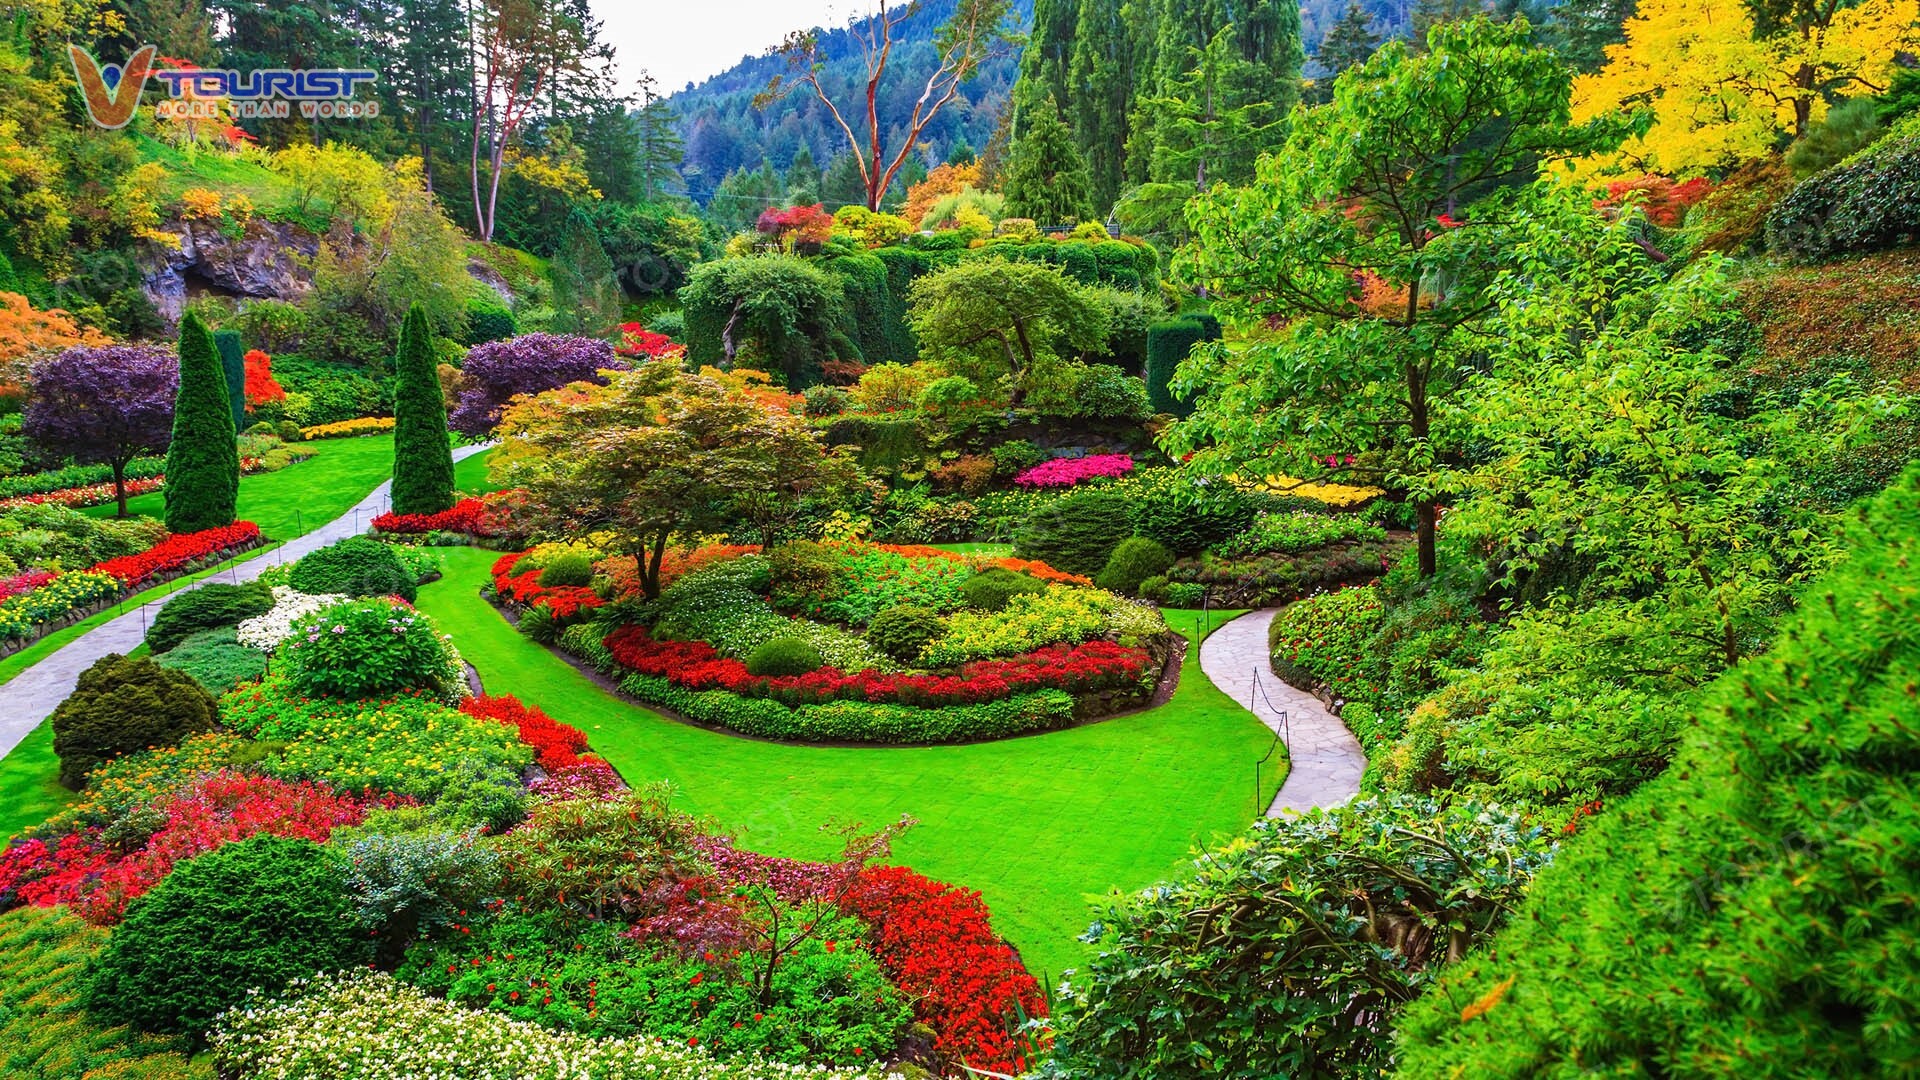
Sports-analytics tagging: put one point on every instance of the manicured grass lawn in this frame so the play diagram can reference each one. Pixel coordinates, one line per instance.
(995, 550)
(1040, 825)
(319, 489)
(470, 475)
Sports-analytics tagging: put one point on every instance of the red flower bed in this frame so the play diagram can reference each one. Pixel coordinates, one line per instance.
(695, 665)
(938, 947)
(560, 601)
(466, 516)
(215, 809)
(557, 745)
(22, 584)
(178, 551)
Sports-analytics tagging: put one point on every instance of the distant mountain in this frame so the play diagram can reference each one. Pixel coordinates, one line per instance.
(723, 131)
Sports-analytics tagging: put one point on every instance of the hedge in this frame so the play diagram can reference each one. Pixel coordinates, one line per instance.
(1168, 343)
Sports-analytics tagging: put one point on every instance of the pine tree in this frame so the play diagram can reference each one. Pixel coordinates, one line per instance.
(1101, 72)
(803, 178)
(1349, 41)
(233, 364)
(1046, 176)
(961, 152)
(660, 147)
(422, 456)
(203, 460)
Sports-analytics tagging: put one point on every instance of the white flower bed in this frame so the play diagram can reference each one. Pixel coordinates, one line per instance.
(266, 632)
(370, 1027)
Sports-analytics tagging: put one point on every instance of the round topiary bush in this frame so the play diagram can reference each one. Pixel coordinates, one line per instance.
(570, 569)
(1076, 532)
(990, 589)
(120, 706)
(356, 566)
(367, 649)
(1133, 562)
(783, 656)
(903, 630)
(209, 607)
(250, 914)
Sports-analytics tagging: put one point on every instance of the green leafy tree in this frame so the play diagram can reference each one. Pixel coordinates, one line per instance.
(657, 452)
(1046, 177)
(203, 460)
(1396, 182)
(422, 456)
(1751, 911)
(994, 319)
(776, 313)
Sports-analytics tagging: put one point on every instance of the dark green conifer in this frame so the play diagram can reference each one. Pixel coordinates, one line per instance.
(203, 461)
(422, 457)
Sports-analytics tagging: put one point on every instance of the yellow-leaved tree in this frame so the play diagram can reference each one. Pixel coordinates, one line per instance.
(1729, 81)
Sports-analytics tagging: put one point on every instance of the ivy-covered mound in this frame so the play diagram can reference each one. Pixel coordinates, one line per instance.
(1752, 911)
(849, 642)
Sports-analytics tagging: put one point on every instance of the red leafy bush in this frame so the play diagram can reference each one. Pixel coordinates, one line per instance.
(695, 665)
(465, 516)
(555, 745)
(178, 551)
(260, 386)
(938, 947)
(801, 226)
(83, 871)
(637, 340)
(1665, 202)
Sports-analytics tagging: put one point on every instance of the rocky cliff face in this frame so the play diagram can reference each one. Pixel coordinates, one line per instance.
(266, 261)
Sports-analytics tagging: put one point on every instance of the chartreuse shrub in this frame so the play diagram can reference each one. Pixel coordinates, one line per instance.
(356, 566)
(371, 1018)
(1752, 911)
(1134, 561)
(1076, 532)
(903, 630)
(422, 456)
(571, 568)
(121, 705)
(367, 649)
(784, 656)
(1289, 952)
(251, 914)
(203, 460)
(208, 607)
(43, 959)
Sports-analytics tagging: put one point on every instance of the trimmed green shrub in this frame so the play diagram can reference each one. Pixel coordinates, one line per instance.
(203, 460)
(572, 568)
(1750, 911)
(1076, 532)
(990, 589)
(488, 320)
(216, 660)
(1168, 343)
(1107, 393)
(205, 608)
(1869, 203)
(120, 706)
(824, 400)
(289, 431)
(422, 455)
(903, 630)
(1133, 562)
(247, 915)
(356, 566)
(233, 364)
(783, 656)
(1016, 456)
(362, 649)
(1296, 944)
(1191, 514)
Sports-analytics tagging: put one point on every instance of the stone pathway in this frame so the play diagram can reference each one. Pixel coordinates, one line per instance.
(1326, 759)
(33, 694)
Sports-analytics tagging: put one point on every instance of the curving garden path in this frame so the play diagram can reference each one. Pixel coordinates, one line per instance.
(1327, 761)
(30, 697)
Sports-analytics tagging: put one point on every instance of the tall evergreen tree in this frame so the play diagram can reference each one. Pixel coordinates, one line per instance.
(422, 456)
(1582, 29)
(1046, 176)
(1101, 71)
(586, 288)
(203, 460)
(1205, 128)
(658, 144)
(233, 364)
(1349, 41)
(803, 178)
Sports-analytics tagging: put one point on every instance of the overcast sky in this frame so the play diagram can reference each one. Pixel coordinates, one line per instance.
(683, 41)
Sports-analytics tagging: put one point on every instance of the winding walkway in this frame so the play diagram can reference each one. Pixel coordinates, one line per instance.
(1326, 759)
(32, 695)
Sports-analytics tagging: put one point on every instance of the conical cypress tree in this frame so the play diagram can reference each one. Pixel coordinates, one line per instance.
(203, 462)
(233, 362)
(422, 458)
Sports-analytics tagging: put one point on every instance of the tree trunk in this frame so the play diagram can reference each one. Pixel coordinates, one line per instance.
(1425, 531)
(120, 485)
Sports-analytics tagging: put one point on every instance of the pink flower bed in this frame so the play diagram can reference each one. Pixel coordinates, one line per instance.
(1067, 472)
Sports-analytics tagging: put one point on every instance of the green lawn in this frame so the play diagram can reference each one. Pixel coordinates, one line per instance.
(285, 504)
(470, 475)
(995, 550)
(1040, 825)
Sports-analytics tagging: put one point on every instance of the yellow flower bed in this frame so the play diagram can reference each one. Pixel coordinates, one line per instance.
(341, 429)
(1341, 495)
